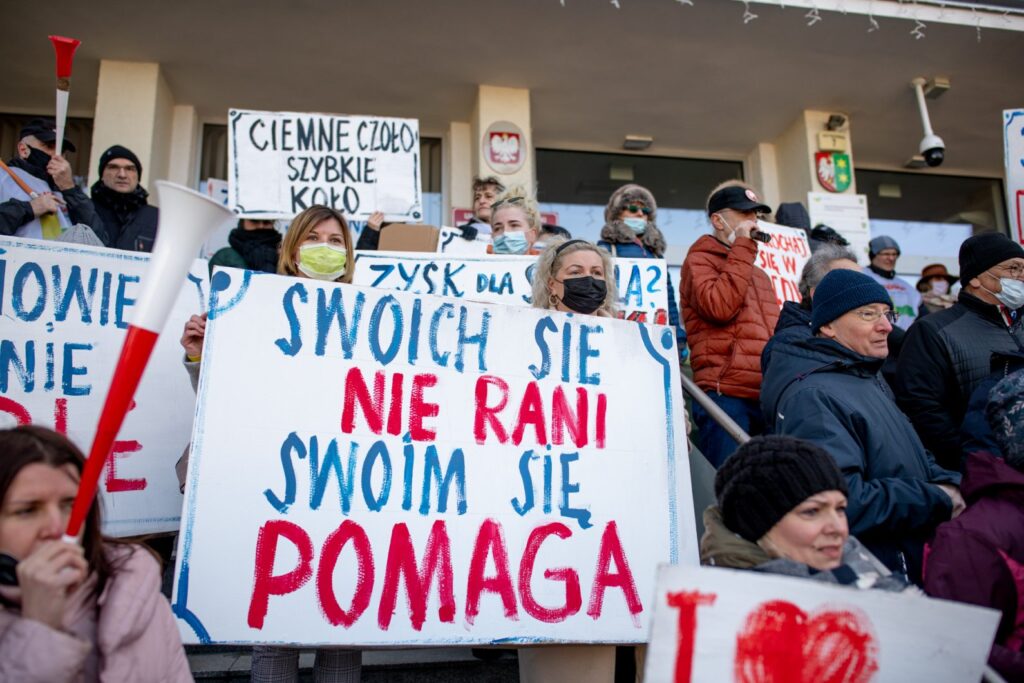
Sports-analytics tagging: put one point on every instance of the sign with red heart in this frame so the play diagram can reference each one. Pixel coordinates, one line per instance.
(725, 625)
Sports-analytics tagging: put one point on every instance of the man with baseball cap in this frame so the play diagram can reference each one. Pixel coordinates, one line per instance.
(121, 205)
(38, 196)
(826, 389)
(729, 310)
(884, 251)
(948, 353)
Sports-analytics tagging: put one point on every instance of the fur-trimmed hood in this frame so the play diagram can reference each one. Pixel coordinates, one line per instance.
(616, 232)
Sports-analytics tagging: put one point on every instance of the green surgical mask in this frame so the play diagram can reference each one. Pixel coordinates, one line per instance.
(322, 261)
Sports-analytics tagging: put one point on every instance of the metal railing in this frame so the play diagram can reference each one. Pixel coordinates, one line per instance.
(716, 413)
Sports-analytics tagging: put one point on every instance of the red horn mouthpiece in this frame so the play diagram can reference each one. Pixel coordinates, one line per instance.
(65, 49)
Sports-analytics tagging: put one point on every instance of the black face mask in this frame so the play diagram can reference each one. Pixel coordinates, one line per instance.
(584, 294)
(36, 163)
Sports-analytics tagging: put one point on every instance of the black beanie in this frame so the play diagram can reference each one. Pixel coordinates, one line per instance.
(119, 152)
(769, 476)
(978, 253)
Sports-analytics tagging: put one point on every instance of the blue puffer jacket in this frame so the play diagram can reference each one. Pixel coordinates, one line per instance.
(635, 250)
(818, 390)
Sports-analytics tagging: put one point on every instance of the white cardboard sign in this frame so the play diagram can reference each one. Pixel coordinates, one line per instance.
(280, 163)
(451, 242)
(783, 259)
(727, 625)
(1013, 156)
(65, 309)
(412, 469)
(642, 283)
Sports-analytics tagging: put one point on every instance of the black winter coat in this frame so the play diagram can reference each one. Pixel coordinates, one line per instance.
(818, 390)
(944, 358)
(127, 221)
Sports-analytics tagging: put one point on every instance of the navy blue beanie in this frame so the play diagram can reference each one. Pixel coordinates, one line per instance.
(841, 291)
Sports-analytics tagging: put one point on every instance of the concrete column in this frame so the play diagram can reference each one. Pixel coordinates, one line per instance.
(457, 169)
(762, 172)
(503, 104)
(183, 163)
(134, 108)
(794, 158)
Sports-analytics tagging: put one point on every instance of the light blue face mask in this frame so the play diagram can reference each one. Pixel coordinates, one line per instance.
(510, 243)
(637, 225)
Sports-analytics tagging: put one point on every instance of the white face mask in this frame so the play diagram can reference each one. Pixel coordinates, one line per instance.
(1012, 295)
(731, 239)
(940, 287)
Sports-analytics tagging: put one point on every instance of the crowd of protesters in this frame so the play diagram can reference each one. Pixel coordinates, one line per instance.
(888, 419)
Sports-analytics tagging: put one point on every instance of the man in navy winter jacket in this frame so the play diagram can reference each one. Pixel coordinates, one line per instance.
(827, 389)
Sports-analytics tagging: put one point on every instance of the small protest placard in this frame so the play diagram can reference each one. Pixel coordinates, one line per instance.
(1013, 159)
(727, 625)
(408, 469)
(65, 309)
(783, 259)
(280, 163)
(642, 283)
(452, 243)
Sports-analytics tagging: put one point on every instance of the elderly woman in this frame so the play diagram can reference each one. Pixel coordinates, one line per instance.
(575, 277)
(86, 611)
(782, 510)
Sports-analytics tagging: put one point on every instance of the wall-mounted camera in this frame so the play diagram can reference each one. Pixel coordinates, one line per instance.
(932, 148)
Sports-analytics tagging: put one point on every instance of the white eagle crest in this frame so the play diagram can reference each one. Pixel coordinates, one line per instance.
(505, 148)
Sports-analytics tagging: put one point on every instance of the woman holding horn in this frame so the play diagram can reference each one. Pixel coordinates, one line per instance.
(84, 612)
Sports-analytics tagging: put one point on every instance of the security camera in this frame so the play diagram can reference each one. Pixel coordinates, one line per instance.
(933, 149)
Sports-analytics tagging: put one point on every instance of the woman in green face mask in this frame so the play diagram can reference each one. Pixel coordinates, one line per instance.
(318, 245)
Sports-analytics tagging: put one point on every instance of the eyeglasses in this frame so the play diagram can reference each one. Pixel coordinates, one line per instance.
(633, 208)
(1015, 271)
(871, 315)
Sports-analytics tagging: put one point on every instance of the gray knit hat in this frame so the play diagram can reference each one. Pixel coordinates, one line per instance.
(881, 243)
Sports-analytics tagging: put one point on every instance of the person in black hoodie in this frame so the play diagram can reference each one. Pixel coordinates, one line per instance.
(826, 389)
(122, 211)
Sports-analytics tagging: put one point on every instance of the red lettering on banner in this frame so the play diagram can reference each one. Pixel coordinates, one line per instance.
(418, 409)
(602, 412)
(265, 583)
(401, 562)
(531, 412)
(687, 603)
(356, 390)
(395, 410)
(16, 409)
(113, 483)
(485, 415)
(563, 416)
(60, 416)
(568, 576)
(611, 551)
(489, 542)
(335, 543)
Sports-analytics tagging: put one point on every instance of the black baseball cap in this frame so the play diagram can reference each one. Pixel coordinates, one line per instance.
(44, 130)
(737, 198)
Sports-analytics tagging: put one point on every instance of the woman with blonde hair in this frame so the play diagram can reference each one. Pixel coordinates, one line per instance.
(515, 223)
(318, 245)
(575, 276)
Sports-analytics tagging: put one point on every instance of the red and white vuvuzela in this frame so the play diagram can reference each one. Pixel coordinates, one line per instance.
(65, 50)
(187, 219)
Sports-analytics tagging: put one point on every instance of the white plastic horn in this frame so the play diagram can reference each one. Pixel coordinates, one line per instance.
(186, 220)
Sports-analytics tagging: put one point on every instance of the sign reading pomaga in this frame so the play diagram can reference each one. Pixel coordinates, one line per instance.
(281, 163)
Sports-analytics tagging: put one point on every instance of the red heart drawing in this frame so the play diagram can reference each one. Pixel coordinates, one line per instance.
(780, 643)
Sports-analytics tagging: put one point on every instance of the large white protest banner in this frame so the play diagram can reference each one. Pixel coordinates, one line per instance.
(280, 163)
(783, 259)
(65, 309)
(642, 283)
(1013, 157)
(727, 625)
(501, 468)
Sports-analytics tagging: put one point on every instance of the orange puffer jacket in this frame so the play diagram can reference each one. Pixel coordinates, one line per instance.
(730, 310)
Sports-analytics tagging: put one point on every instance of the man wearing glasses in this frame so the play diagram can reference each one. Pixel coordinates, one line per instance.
(730, 311)
(947, 354)
(827, 389)
(121, 207)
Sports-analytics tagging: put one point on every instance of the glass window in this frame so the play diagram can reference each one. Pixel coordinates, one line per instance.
(931, 215)
(576, 186)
